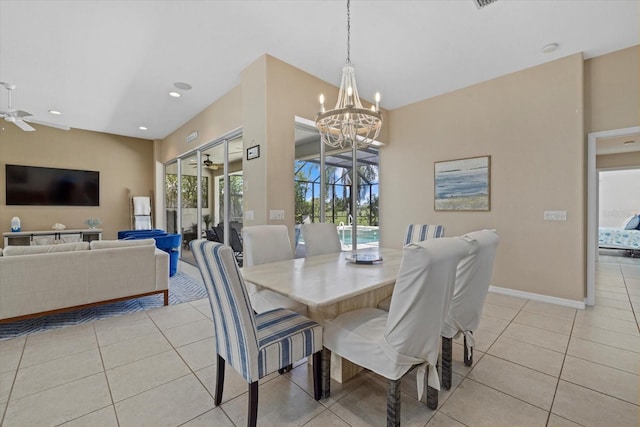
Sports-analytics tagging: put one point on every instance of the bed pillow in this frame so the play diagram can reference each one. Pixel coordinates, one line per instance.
(631, 223)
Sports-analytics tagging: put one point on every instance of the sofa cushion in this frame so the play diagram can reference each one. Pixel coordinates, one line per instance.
(110, 244)
(45, 249)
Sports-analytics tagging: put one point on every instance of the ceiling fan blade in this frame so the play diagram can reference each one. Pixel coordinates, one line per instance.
(21, 114)
(18, 114)
(21, 124)
(43, 123)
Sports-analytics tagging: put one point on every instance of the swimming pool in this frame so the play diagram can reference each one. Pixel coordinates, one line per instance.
(366, 234)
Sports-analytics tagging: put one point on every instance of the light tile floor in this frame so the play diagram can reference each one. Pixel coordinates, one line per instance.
(535, 364)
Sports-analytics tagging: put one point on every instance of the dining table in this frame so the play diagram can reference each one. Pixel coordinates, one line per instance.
(332, 284)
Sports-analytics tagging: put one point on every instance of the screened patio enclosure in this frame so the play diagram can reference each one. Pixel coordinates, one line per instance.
(338, 209)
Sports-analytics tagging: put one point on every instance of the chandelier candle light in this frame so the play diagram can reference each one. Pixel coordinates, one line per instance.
(348, 124)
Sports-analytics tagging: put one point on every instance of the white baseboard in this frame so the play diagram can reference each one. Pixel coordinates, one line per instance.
(538, 297)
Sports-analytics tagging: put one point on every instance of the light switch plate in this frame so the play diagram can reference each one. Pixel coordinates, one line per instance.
(555, 215)
(249, 216)
(276, 214)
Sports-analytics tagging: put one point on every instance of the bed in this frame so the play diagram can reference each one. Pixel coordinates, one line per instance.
(619, 238)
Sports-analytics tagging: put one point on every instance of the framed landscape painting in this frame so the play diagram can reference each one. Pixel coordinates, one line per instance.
(463, 184)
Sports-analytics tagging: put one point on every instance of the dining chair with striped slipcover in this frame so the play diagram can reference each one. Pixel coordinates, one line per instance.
(420, 232)
(255, 345)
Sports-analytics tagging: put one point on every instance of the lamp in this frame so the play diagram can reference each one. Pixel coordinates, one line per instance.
(349, 121)
(348, 124)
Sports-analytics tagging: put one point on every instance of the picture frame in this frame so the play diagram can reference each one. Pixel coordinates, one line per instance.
(463, 184)
(253, 152)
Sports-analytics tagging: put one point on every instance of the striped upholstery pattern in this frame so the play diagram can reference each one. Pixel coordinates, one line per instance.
(254, 346)
(420, 232)
(284, 337)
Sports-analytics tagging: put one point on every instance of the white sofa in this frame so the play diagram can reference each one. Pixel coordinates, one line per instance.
(36, 280)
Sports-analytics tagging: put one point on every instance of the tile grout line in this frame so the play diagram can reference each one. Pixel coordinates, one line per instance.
(635, 315)
(113, 403)
(466, 376)
(564, 359)
(13, 383)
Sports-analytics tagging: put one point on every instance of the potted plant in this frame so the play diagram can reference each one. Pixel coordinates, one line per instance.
(207, 220)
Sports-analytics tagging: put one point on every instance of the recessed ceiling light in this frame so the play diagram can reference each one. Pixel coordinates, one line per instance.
(175, 94)
(182, 85)
(142, 127)
(56, 112)
(548, 48)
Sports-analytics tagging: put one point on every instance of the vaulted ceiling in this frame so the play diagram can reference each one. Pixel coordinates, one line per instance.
(108, 66)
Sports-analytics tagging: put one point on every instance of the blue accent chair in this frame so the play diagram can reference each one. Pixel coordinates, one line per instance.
(167, 242)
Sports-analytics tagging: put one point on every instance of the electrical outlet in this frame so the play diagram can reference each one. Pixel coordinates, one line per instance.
(276, 214)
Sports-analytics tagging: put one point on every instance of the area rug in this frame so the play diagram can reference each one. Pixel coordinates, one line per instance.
(182, 288)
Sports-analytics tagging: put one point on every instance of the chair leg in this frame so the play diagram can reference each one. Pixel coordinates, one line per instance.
(325, 370)
(285, 369)
(393, 403)
(432, 395)
(219, 381)
(253, 405)
(447, 350)
(468, 354)
(317, 373)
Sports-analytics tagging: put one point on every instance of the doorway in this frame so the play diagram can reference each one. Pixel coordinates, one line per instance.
(594, 141)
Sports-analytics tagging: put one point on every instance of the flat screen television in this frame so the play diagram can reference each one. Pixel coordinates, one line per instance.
(32, 185)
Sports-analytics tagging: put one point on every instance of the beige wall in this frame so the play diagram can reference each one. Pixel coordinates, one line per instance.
(612, 88)
(531, 124)
(622, 161)
(219, 118)
(123, 163)
(265, 106)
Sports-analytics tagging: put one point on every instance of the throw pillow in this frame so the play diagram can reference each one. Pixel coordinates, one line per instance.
(45, 249)
(631, 222)
(109, 244)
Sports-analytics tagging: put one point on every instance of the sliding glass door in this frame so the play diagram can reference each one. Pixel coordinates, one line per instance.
(196, 203)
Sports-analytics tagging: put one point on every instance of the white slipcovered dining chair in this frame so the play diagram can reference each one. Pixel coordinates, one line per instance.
(254, 345)
(391, 343)
(473, 277)
(416, 233)
(320, 238)
(263, 244)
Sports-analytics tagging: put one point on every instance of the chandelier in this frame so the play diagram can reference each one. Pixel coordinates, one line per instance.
(349, 123)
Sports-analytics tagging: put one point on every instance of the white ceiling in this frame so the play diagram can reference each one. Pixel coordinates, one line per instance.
(109, 65)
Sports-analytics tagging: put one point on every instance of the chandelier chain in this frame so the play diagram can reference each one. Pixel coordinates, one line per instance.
(348, 32)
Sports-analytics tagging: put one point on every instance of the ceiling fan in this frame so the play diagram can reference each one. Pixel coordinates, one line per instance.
(22, 118)
(208, 163)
